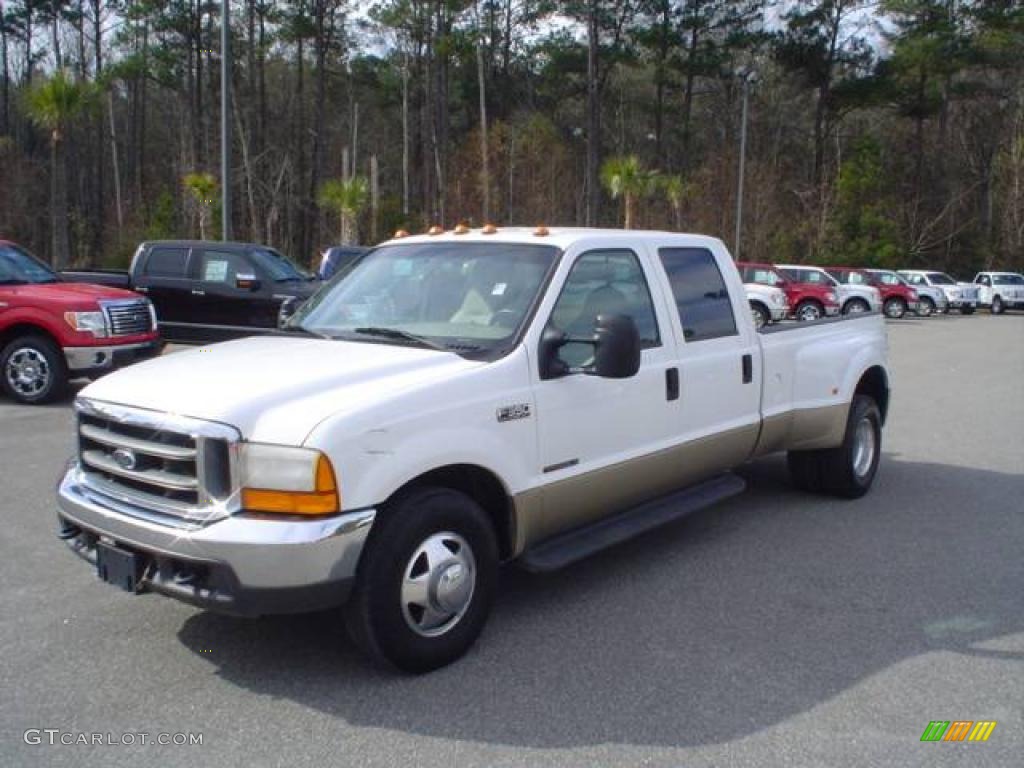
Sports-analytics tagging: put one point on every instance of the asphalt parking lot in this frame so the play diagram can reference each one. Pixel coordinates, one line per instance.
(775, 629)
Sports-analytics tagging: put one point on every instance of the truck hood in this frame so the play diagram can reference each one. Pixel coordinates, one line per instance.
(70, 295)
(274, 388)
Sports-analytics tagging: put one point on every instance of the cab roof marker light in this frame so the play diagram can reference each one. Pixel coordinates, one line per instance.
(435, 230)
(461, 229)
(401, 233)
(541, 231)
(489, 229)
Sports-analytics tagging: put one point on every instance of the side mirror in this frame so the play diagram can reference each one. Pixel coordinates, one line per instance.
(781, 284)
(616, 347)
(288, 308)
(247, 282)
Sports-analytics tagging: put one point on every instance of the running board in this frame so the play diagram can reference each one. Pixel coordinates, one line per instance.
(567, 548)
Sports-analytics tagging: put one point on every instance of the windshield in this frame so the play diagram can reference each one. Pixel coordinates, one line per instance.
(1008, 279)
(278, 266)
(941, 278)
(761, 276)
(18, 267)
(466, 297)
(808, 276)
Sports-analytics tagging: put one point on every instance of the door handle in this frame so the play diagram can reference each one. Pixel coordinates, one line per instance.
(748, 369)
(197, 292)
(672, 384)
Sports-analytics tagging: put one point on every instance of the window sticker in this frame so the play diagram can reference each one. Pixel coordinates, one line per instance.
(499, 289)
(216, 271)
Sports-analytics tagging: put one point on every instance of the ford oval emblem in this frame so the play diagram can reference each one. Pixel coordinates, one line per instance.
(125, 458)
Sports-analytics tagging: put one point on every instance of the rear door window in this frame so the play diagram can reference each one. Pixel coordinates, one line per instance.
(222, 267)
(167, 262)
(702, 298)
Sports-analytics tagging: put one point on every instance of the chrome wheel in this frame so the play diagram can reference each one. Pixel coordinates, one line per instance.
(27, 372)
(807, 312)
(894, 309)
(856, 308)
(438, 584)
(865, 444)
(925, 307)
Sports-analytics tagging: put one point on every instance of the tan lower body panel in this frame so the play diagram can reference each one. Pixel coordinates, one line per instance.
(803, 430)
(575, 501)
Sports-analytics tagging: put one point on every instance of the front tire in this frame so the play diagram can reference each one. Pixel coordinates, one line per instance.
(809, 311)
(997, 307)
(894, 308)
(426, 580)
(760, 315)
(33, 370)
(856, 307)
(926, 307)
(849, 470)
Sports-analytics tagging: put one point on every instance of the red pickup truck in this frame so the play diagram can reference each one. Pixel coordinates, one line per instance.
(51, 332)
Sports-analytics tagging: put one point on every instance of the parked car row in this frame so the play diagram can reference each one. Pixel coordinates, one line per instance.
(801, 292)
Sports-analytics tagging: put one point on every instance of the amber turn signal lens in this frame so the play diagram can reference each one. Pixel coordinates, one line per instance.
(325, 500)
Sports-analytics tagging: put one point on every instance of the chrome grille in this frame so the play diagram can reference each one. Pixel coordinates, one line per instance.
(159, 463)
(128, 318)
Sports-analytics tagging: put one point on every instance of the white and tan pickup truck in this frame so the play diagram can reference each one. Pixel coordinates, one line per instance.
(457, 401)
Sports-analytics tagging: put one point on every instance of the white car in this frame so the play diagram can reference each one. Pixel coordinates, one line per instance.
(959, 295)
(1000, 291)
(767, 304)
(853, 298)
(455, 401)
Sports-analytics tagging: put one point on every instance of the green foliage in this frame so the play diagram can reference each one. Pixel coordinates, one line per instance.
(57, 101)
(864, 231)
(345, 196)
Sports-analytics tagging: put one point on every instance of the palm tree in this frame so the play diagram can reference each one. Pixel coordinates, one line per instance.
(54, 104)
(677, 192)
(203, 188)
(625, 177)
(348, 198)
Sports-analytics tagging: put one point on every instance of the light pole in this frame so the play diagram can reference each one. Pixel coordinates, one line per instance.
(225, 118)
(748, 77)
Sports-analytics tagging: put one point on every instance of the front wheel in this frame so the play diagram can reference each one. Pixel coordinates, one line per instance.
(426, 580)
(997, 307)
(32, 370)
(808, 311)
(925, 307)
(856, 307)
(760, 315)
(895, 308)
(850, 469)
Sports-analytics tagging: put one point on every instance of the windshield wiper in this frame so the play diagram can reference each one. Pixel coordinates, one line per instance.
(395, 333)
(303, 329)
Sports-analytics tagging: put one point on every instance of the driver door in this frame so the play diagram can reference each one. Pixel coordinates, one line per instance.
(599, 438)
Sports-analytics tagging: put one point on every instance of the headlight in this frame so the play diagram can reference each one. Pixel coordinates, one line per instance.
(830, 296)
(780, 299)
(87, 322)
(286, 480)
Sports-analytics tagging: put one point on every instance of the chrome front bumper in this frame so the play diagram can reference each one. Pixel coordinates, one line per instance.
(240, 564)
(85, 359)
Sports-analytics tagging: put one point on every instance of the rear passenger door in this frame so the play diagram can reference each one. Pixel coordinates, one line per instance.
(163, 276)
(719, 360)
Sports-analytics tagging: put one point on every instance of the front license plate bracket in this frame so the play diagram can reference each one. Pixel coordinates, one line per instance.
(118, 566)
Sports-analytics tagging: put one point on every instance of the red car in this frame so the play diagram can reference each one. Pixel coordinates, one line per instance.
(52, 331)
(809, 301)
(897, 296)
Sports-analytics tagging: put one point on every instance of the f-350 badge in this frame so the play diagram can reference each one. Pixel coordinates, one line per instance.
(512, 412)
